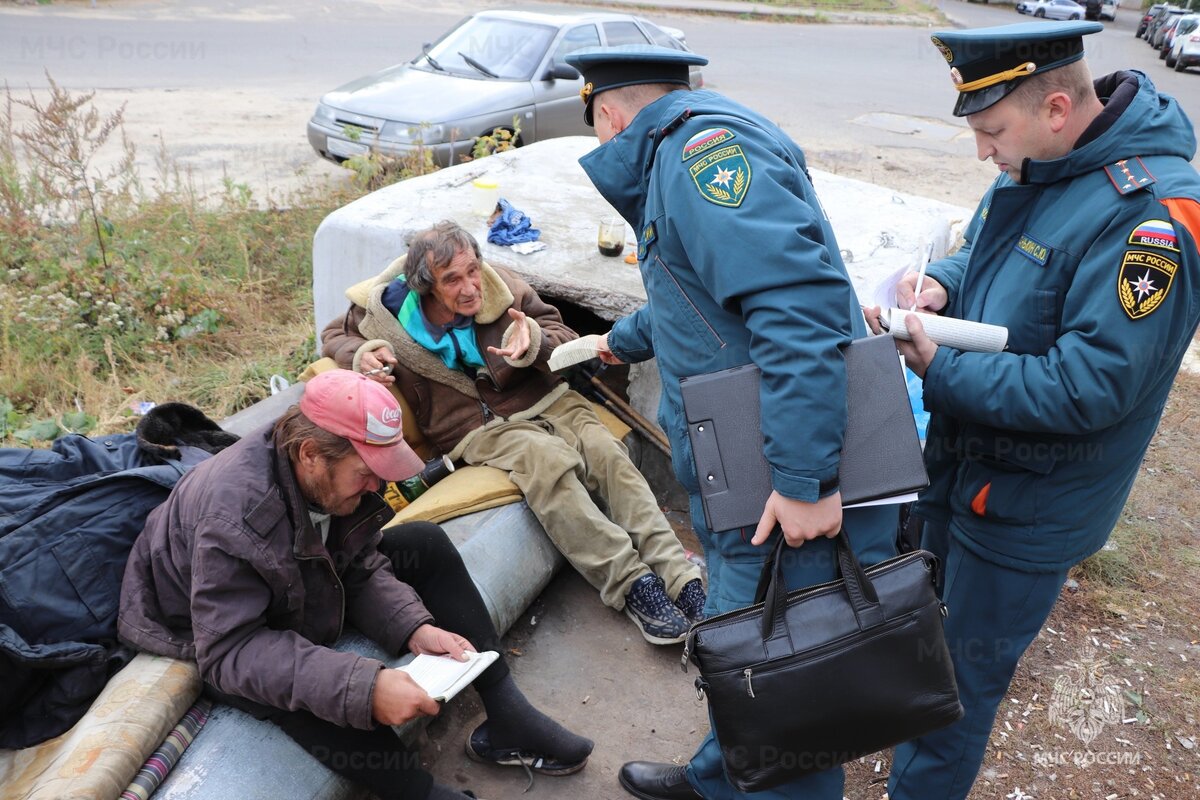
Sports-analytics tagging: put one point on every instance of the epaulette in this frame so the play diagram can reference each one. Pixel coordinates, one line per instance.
(675, 123)
(1129, 175)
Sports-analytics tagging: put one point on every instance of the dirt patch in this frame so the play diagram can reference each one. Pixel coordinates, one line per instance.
(191, 135)
(1105, 702)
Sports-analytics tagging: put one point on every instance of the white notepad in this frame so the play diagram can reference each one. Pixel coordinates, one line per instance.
(443, 677)
(571, 353)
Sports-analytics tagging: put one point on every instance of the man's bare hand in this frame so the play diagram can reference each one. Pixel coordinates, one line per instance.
(919, 353)
(397, 699)
(438, 642)
(378, 365)
(519, 343)
(606, 355)
(800, 521)
(933, 295)
(871, 315)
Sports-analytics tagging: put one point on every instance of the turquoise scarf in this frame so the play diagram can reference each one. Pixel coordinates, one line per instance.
(454, 342)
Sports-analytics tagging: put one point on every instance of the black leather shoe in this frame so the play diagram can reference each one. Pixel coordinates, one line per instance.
(651, 781)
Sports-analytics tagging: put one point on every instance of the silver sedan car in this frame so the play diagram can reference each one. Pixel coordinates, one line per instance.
(494, 66)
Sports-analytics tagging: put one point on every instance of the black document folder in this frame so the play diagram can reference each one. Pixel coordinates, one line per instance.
(881, 454)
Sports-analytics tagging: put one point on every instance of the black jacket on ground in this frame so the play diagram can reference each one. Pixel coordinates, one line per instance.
(68, 517)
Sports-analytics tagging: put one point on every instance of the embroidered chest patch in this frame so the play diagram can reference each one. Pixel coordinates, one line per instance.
(1143, 282)
(1034, 250)
(706, 140)
(722, 176)
(645, 240)
(1155, 233)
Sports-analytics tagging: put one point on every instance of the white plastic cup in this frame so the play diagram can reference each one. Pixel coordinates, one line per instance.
(485, 194)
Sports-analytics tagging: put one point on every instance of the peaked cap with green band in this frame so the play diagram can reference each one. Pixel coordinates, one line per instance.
(989, 63)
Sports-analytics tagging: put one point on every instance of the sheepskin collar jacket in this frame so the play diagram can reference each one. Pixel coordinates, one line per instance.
(449, 405)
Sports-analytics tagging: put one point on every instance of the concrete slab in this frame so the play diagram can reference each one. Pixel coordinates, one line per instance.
(880, 231)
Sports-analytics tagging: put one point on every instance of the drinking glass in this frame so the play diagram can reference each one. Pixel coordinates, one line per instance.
(610, 239)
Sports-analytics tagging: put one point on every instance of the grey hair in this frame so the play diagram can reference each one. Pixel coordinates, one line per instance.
(433, 249)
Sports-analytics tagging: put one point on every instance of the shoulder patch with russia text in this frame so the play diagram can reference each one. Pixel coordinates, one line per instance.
(1143, 282)
(706, 139)
(722, 176)
(1155, 233)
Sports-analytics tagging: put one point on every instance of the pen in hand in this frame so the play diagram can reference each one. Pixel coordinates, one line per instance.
(921, 279)
(386, 369)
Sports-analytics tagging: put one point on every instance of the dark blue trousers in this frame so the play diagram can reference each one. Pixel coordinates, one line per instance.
(994, 612)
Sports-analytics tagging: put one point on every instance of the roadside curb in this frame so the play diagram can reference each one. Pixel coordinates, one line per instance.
(795, 14)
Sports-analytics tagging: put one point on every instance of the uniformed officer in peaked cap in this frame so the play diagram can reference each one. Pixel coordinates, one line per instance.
(1085, 249)
(986, 64)
(606, 68)
(740, 266)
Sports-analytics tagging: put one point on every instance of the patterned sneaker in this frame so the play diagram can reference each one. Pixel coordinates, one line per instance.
(691, 600)
(653, 612)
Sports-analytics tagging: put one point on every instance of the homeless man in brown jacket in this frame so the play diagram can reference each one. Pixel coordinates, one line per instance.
(467, 344)
(262, 553)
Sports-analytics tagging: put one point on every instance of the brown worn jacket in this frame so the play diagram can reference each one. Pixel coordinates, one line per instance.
(229, 571)
(448, 405)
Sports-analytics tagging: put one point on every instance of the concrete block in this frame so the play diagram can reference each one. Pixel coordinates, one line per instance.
(880, 231)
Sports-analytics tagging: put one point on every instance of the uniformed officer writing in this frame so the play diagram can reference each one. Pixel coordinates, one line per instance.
(1085, 248)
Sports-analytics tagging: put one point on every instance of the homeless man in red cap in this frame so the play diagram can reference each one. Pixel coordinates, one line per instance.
(262, 554)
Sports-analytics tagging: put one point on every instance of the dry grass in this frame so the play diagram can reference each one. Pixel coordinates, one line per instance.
(111, 294)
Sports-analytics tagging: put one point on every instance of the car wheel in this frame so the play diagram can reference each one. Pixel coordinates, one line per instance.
(495, 139)
(1074, 17)
(1171, 61)
(1162, 53)
(1180, 66)
(1041, 12)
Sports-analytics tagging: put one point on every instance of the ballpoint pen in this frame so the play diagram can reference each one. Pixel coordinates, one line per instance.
(386, 369)
(921, 279)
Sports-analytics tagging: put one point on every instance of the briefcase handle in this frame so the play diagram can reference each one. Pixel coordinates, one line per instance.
(772, 591)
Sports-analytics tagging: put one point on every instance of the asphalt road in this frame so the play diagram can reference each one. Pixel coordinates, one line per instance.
(872, 101)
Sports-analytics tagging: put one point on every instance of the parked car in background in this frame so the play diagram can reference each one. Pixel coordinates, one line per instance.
(1108, 10)
(1164, 34)
(1160, 17)
(1052, 9)
(1184, 50)
(1146, 17)
(491, 67)
(1091, 9)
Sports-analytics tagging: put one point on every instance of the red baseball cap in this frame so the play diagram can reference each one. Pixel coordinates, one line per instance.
(351, 405)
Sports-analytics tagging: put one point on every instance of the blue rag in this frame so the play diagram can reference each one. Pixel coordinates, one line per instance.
(512, 226)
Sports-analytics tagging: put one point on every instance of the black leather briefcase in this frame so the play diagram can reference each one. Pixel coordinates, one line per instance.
(804, 681)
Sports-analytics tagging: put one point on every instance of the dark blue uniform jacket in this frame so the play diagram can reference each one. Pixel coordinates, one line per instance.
(1092, 264)
(740, 264)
